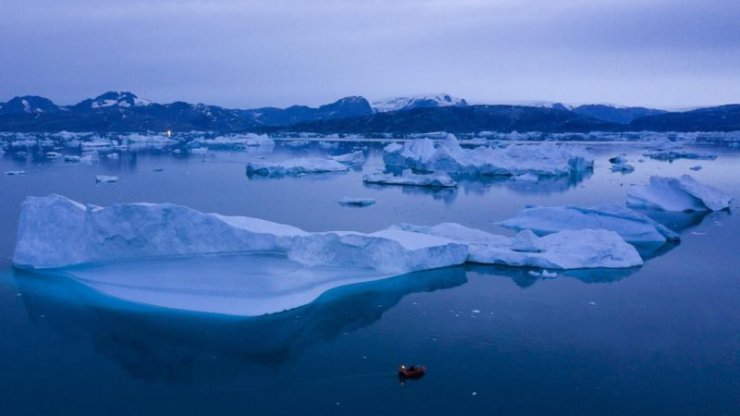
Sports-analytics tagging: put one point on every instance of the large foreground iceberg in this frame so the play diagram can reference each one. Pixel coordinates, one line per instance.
(632, 226)
(678, 194)
(540, 159)
(295, 167)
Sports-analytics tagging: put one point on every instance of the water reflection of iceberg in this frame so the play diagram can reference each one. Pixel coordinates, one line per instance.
(157, 343)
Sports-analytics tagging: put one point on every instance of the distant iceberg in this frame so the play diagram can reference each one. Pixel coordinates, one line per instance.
(408, 178)
(106, 179)
(353, 158)
(295, 167)
(632, 226)
(356, 202)
(678, 194)
(449, 157)
(671, 155)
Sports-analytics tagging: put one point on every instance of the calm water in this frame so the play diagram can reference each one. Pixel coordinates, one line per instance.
(661, 339)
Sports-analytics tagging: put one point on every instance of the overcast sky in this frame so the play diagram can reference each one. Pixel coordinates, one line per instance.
(668, 54)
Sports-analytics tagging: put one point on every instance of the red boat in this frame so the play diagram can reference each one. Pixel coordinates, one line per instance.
(413, 371)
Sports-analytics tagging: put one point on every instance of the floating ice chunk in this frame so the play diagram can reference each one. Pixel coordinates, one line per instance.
(294, 167)
(677, 194)
(570, 249)
(238, 141)
(527, 242)
(542, 159)
(72, 159)
(634, 227)
(695, 168)
(356, 202)
(408, 178)
(15, 172)
(106, 179)
(53, 155)
(328, 145)
(198, 150)
(671, 155)
(354, 158)
(112, 156)
(619, 164)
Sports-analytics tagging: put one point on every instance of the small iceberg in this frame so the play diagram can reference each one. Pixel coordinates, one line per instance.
(72, 159)
(353, 158)
(619, 164)
(15, 172)
(53, 155)
(295, 167)
(106, 179)
(408, 178)
(356, 202)
(677, 194)
(632, 226)
(544, 159)
(671, 155)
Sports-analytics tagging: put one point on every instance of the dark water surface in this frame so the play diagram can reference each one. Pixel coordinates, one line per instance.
(660, 339)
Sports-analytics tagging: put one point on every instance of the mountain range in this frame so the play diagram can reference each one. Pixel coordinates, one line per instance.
(122, 111)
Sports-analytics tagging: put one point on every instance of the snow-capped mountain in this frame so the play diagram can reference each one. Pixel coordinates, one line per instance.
(29, 104)
(417, 101)
(114, 99)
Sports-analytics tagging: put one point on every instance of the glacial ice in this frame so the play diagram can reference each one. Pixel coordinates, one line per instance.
(542, 159)
(671, 155)
(408, 178)
(353, 158)
(620, 164)
(568, 249)
(677, 194)
(294, 167)
(632, 226)
(143, 252)
(106, 179)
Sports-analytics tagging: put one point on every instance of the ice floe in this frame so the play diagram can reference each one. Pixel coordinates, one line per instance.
(106, 179)
(633, 226)
(295, 167)
(353, 158)
(677, 194)
(356, 202)
(408, 178)
(448, 156)
(671, 155)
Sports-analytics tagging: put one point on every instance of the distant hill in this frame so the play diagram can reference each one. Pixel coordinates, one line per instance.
(475, 118)
(722, 118)
(616, 114)
(122, 111)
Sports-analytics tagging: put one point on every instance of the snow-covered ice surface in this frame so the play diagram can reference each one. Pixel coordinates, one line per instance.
(677, 194)
(408, 178)
(545, 159)
(294, 167)
(633, 226)
(570, 249)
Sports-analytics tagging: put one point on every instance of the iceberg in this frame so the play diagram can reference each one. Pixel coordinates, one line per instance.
(632, 226)
(15, 172)
(408, 178)
(55, 231)
(671, 155)
(356, 202)
(353, 158)
(238, 141)
(677, 194)
(295, 167)
(619, 164)
(106, 179)
(541, 159)
(569, 249)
